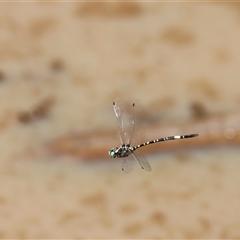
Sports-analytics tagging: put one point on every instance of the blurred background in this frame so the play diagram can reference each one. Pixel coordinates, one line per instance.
(61, 67)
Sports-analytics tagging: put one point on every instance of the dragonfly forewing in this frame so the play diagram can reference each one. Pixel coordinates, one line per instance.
(126, 121)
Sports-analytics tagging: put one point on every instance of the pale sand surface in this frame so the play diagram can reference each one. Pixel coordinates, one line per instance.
(82, 55)
(187, 196)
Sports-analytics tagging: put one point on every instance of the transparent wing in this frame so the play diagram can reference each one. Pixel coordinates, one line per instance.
(137, 116)
(143, 162)
(125, 121)
(129, 121)
(128, 164)
(119, 108)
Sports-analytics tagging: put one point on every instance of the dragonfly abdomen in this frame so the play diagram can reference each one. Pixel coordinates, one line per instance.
(165, 139)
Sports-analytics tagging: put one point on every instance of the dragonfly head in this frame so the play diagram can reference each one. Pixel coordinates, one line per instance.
(113, 152)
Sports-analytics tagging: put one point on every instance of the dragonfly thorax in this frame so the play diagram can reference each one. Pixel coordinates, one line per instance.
(120, 152)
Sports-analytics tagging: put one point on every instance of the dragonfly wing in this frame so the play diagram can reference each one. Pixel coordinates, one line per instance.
(128, 164)
(137, 134)
(143, 162)
(119, 108)
(125, 121)
(127, 127)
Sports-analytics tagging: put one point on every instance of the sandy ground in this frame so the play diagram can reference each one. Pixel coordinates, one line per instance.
(83, 56)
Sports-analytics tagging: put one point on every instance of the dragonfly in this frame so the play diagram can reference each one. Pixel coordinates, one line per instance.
(129, 129)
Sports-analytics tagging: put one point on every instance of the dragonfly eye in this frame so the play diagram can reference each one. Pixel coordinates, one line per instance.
(112, 153)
